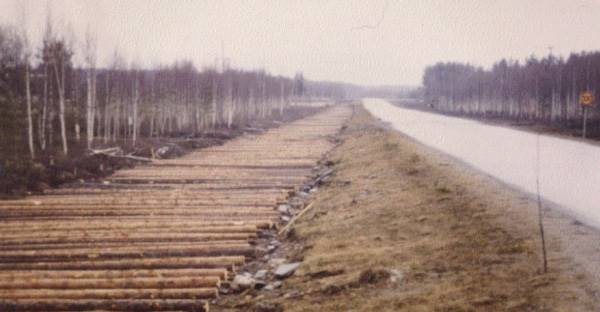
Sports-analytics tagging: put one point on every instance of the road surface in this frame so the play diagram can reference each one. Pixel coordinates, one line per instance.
(569, 171)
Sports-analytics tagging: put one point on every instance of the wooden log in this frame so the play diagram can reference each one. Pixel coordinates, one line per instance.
(173, 237)
(131, 194)
(296, 217)
(173, 218)
(249, 229)
(106, 151)
(115, 152)
(151, 192)
(49, 225)
(160, 263)
(193, 179)
(187, 164)
(114, 274)
(111, 305)
(207, 206)
(124, 252)
(112, 294)
(155, 198)
(73, 236)
(140, 204)
(70, 245)
(125, 213)
(110, 283)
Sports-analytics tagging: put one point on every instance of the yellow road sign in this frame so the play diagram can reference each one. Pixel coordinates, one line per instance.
(586, 98)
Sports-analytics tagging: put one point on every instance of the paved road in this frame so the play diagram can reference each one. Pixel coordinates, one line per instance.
(569, 170)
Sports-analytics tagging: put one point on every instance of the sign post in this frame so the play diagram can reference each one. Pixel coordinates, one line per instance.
(586, 99)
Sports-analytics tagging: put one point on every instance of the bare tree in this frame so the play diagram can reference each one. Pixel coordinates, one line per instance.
(90, 59)
(46, 59)
(26, 60)
(61, 56)
(135, 100)
(282, 98)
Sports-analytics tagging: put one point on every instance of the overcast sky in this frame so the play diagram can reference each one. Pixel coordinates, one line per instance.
(324, 38)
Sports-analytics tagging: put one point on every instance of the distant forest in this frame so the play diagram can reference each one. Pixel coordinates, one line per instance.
(48, 101)
(544, 89)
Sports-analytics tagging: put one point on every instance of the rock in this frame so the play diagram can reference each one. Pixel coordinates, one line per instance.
(296, 203)
(303, 194)
(261, 274)
(314, 190)
(169, 151)
(261, 250)
(265, 234)
(285, 218)
(162, 151)
(242, 282)
(285, 270)
(396, 276)
(223, 291)
(283, 208)
(271, 248)
(259, 285)
(276, 262)
(273, 286)
(247, 274)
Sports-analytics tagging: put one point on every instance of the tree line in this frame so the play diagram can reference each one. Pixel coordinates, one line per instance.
(48, 102)
(545, 89)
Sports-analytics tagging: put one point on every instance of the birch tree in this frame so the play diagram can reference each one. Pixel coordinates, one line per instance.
(90, 60)
(27, 64)
(60, 58)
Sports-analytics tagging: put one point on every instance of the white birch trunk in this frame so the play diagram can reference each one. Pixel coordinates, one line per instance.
(60, 80)
(29, 117)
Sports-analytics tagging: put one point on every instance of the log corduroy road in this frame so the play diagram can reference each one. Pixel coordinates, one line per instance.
(161, 236)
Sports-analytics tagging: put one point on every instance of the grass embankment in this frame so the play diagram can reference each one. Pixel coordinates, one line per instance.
(401, 227)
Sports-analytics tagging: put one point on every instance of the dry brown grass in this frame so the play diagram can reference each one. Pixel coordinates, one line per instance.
(406, 210)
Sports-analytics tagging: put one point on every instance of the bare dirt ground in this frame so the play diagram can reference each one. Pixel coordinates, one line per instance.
(401, 227)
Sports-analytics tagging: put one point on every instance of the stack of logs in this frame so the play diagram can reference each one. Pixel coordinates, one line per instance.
(161, 236)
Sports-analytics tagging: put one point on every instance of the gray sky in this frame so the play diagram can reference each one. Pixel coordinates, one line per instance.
(323, 38)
